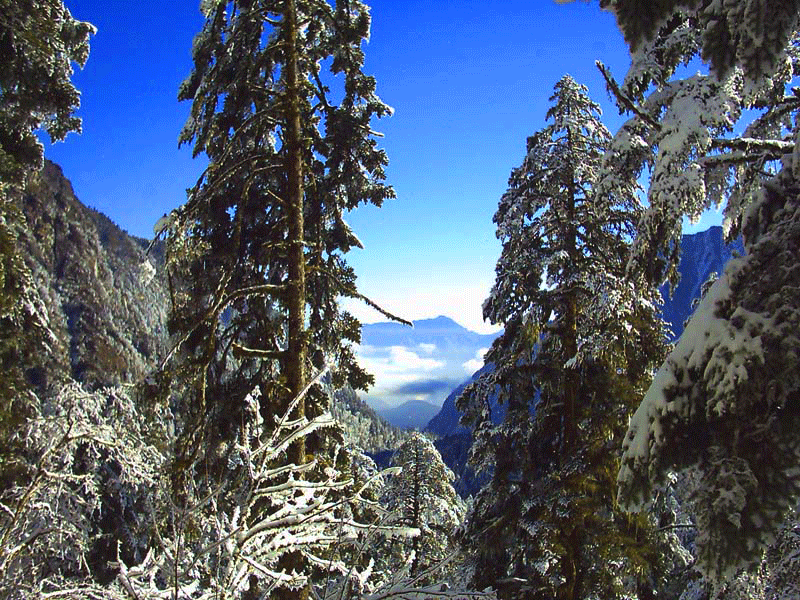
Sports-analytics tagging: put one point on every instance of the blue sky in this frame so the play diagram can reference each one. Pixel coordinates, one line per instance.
(469, 81)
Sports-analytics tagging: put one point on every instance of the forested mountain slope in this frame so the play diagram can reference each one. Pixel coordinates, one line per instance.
(362, 425)
(105, 298)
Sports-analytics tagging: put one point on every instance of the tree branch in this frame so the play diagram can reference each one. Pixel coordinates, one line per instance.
(623, 99)
(779, 147)
(254, 290)
(240, 351)
(353, 293)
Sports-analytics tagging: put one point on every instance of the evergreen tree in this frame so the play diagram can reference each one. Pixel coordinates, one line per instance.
(256, 254)
(39, 42)
(574, 358)
(725, 400)
(751, 35)
(681, 130)
(727, 397)
(422, 493)
(265, 221)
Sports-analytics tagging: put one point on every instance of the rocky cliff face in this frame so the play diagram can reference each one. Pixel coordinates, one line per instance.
(702, 254)
(106, 300)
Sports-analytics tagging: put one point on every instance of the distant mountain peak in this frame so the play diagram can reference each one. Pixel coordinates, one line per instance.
(412, 414)
(439, 318)
(439, 322)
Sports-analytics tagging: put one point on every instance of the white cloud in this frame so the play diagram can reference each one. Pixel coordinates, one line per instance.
(394, 367)
(476, 363)
(365, 350)
(404, 359)
(395, 364)
(427, 348)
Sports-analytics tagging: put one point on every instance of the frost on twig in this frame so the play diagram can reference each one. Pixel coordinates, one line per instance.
(84, 454)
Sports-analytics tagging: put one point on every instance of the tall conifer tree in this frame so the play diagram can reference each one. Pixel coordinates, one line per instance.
(726, 400)
(575, 357)
(257, 251)
(256, 254)
(422, 493)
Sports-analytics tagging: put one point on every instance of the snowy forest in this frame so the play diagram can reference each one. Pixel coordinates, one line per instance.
(230, 460)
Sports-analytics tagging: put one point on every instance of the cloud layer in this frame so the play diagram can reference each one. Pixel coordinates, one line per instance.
(473, 364)
(424, 363)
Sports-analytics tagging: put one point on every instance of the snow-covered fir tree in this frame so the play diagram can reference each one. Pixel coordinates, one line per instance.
(749, 35)
(726, 399)
(256, 255)
(422, 494)
(681, 129)
(262, 235)
(41, 42)
(574, 360)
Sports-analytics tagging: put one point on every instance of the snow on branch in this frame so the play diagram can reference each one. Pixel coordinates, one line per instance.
(83, 450)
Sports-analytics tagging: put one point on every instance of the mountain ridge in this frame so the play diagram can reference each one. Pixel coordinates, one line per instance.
(412, 414)
(423, 331)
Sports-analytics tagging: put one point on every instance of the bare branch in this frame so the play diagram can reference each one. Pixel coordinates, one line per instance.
(240, 351)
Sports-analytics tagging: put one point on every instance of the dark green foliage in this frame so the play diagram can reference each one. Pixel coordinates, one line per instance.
(640, 22)
(749, 34)
(574, 359)
(20, 338)
(705, 140)
(725, 401)
(13, 277)
(423, 496)
(39, 41)
(256, 254)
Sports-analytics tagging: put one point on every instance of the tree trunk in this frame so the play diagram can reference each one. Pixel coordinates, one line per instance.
(569, 335)
(572, 586)
(571, 383)
(296, 356)
(295, 364)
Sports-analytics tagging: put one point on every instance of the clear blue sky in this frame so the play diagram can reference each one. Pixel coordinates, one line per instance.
(469, 81)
